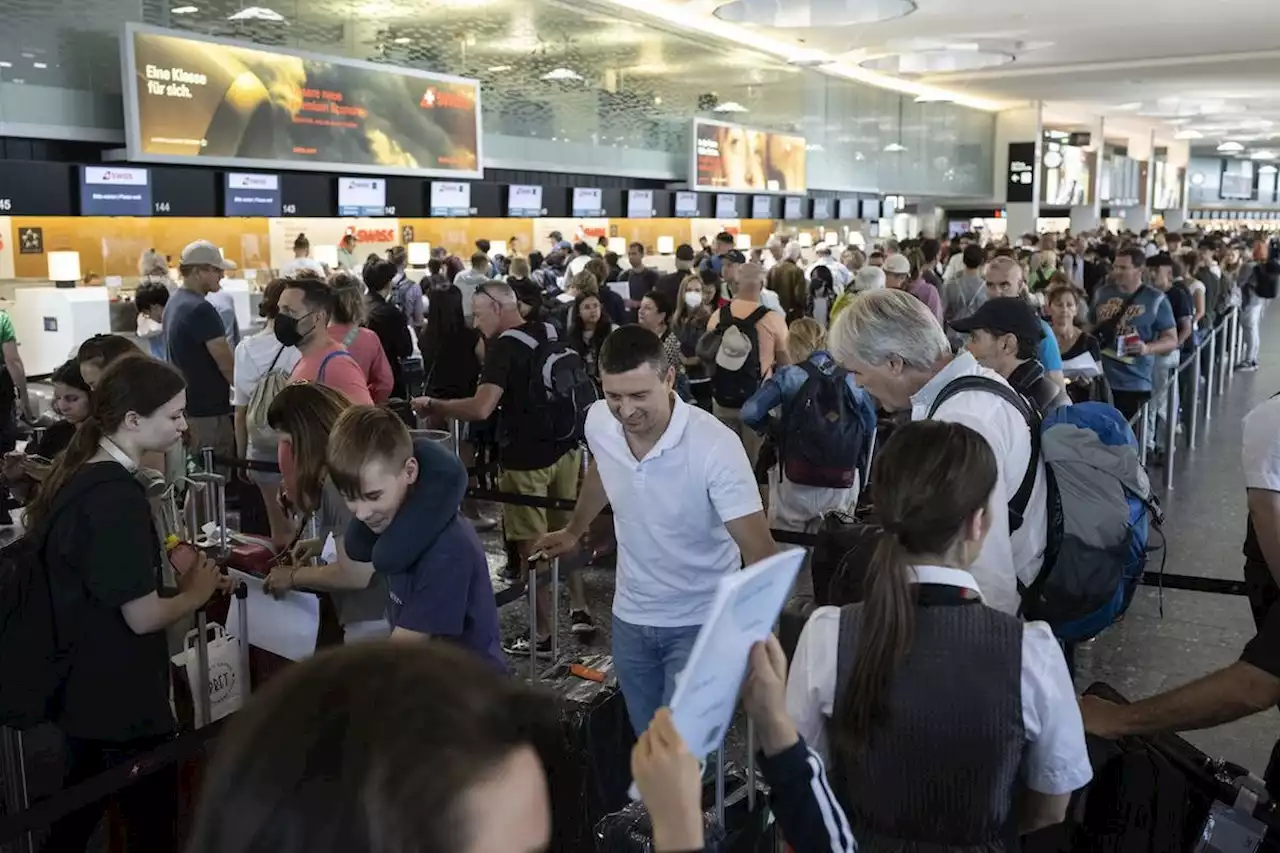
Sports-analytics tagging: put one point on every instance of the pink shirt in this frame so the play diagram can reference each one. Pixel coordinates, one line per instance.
(342, 373)
(369, 354)
(928, 294)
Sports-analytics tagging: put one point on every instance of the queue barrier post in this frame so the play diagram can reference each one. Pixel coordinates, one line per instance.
(1224, 356)
(201, 686)
(1139, 425)
(455, 433)
(13, 782)
(1210, 347)
(1170, 427)
(531, 580)
(555, 611)
(1193, 416)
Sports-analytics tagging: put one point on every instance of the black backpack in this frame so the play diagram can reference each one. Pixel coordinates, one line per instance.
(1266, 279)
(732, 388)
(559, 380)
(823, 437)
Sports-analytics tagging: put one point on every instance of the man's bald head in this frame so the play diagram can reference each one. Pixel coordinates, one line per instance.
(1004, 278)
(750, 280)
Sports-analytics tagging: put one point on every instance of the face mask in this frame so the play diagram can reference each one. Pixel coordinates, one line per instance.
(287, 332)
(693, 300)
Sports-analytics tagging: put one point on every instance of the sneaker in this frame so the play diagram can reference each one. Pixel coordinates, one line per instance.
(1248, 368)
(581, 622)
(482, 523)
(520, 648)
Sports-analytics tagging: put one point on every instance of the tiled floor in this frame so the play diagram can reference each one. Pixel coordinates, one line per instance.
(1205, 527)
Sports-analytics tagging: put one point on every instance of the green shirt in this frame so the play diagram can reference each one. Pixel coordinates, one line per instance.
(7, 334)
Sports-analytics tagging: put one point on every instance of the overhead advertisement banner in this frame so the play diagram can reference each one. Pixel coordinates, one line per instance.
(215, 102)
(732, 157)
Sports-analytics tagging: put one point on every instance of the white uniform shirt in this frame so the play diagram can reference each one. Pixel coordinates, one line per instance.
(1005, 559)
(1056, 760)
(1260, 451)
(670, 511)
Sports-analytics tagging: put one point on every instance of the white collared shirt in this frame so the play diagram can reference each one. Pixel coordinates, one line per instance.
(1056, 760)
(670, 511)
(1005, 559)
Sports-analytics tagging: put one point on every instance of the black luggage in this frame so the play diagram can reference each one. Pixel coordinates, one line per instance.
(841, 558)
(1163, 795)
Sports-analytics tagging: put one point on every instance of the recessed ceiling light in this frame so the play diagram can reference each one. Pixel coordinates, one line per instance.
(183, 10)
(936, 61)
(562, 74)
(403, 40)
(895, 148)
(497, 69)
(1132, 105)
(1230, 147)
(256, 13)
(812, 13)
(39, 65)
(1263, 155)
(1267, 169)
(814, 146)
(935, 98)
(1188, 134)
(4, 63)
(731, 107)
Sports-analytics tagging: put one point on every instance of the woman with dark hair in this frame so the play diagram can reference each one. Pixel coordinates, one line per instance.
(712, 290)
(305, 415)
(589, 326)
(452, 351)
(922, 685)
(365, 346)
(71, 396)
(657, 314)
(388, 323)
(822, 296)
(100, 350)
(91, 524)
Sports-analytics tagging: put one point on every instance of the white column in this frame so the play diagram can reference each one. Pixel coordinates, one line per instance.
(1025, 124)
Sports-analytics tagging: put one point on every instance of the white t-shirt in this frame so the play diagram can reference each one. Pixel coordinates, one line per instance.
(1005, 558)
(253, 358)
(1260, 451)
(670, 511)
(1056, 760)
(297, 265)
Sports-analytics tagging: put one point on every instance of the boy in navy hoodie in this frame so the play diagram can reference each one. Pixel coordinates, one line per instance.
(404, 496)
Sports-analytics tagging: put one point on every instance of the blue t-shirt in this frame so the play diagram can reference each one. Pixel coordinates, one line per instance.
(189, 324)
(449, 595)
(1050, 355)
(1149, 315)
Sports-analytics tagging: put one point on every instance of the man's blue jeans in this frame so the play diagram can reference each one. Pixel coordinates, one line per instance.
(647, 661)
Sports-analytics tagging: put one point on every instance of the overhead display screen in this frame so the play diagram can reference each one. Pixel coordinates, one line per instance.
(362, 196)
(449, 198)
(115, 191)
(523, 200)
(822, 208)
(215, 102)
(732, 157)
(686, 204)
(587, 201)
(794, 207)
(251, 195)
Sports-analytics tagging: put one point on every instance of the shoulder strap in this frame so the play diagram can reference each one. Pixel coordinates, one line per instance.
(325, 363)
(1017, 503)
(757, 315)
(522, 336)
(1107, 329)
(274, 359)
(350, 337)
(726, 318)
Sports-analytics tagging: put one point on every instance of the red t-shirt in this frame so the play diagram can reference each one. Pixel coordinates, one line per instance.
(367, 350)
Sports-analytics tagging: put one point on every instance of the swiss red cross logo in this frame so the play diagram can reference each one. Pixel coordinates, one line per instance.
(428, 99)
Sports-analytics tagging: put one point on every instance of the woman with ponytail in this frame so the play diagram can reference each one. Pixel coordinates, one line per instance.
(90, 522)
(951, 725)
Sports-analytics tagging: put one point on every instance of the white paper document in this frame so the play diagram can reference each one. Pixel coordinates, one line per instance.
(622, 288)
(745, 608)
(1081, 367)
(286, 627)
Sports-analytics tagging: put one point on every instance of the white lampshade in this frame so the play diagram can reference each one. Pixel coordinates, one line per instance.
(64, 266)
(743, 242)
(327, 255)
(666, 245)
(806, 240)
(618, 244)
(419, 254)
(498, 247)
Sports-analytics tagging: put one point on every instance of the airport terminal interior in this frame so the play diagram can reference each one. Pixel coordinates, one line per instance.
(502, 426)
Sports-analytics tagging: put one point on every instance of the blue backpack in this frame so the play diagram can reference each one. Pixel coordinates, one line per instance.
(1100, 511)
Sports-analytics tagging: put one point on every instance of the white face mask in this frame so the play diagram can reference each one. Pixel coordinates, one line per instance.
(692, 299)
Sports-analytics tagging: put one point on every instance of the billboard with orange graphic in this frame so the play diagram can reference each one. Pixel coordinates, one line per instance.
(214, 102)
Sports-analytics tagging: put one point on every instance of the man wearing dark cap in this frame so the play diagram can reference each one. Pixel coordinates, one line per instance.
(1004, 335)
(669, 283)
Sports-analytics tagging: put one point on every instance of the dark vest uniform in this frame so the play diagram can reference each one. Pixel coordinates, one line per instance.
(941, 772)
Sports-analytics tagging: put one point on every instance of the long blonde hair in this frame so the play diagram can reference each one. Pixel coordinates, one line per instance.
(805, 336)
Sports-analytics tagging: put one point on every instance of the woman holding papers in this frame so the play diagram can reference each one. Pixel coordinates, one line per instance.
(949, 724)
(1081, 355)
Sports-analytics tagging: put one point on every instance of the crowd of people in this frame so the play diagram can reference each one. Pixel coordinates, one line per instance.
(707, 407)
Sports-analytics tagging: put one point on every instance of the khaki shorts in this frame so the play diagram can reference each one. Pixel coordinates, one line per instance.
(218, 432)
(526, 523)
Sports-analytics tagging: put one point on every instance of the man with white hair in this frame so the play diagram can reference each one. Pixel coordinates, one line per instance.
(788, 281)
(776, 252)
(897, 351)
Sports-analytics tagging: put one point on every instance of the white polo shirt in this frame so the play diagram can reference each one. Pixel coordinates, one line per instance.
(1004, 559)
(1056, 760)
(669, 513)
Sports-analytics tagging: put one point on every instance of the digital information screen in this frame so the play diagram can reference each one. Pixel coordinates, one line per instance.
(822, 208)
(726, 206)
(362, 196)
(588, 201)
(522, 200)
(640, 204)
(733, 157)
(870, 208)
(847, 208)
(760, 207)
(793, 207)
(686, 204)
(115, 191)
(213, 102)
(251, 195)
(450, 198)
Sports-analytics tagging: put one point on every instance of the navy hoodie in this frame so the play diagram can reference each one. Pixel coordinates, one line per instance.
(436, 571)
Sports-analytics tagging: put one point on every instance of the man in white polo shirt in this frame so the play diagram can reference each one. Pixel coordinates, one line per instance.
(896, 350)
(686, 510)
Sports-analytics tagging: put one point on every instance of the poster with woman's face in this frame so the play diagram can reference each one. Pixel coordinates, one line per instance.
(732, 157)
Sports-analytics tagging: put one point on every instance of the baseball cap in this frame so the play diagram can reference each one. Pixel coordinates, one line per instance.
(734, 349)
(684, 252)
(897, 264)
(1007, 315)
(202, 253)
(734, 256)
